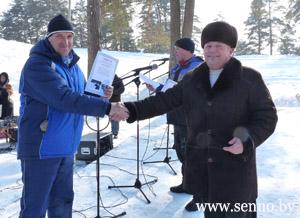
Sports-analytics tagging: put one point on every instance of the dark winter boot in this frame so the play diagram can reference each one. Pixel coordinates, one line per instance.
(191, 206)
(177, 189)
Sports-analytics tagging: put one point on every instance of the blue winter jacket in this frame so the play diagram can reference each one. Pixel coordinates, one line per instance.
(53, 104)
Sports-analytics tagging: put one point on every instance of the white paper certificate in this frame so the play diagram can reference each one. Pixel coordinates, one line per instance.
(149, 81)
(169, 84)
(102, 74)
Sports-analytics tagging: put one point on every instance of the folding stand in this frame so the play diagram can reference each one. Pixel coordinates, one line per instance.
(137, 183)
(167, 158)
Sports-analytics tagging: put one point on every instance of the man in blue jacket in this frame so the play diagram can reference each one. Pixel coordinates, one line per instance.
(186, 61)
(51, 120)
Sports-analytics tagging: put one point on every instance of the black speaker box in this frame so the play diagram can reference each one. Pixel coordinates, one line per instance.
(87, 149)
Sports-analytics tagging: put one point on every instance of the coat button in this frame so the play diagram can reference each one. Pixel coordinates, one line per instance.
(210, 160)
(209, 131)
(209, 103)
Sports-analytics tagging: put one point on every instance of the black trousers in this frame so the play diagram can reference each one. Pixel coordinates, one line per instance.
(180, 135)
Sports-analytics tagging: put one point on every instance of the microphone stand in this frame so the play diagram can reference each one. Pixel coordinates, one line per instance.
(160, 75)
(98, 167)
(167, 159)
(137, 183)
(98, 172)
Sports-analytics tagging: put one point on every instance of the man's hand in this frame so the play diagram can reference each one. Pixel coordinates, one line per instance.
(118, 112)
(150, 87)
(236, 147)
(108, 92)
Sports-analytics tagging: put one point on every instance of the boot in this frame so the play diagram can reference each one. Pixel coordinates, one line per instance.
(177, 189)
(191, 206)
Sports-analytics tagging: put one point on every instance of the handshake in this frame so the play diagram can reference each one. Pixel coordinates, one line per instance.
(118, 111)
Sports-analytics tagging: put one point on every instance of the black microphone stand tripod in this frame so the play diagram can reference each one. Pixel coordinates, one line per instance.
(137, 183)
(167, 159)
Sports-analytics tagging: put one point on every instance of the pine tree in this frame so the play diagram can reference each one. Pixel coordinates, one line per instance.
(116, 32)
(243, 48)
(274, 22)
(79, 21)
(154, 26)
(257, 25)
(287, 40)
(13, 25)
(27, 20)
(295, 9)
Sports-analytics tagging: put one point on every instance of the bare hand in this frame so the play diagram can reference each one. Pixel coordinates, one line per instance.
(118, 112)
(236, 147)
(108, 91)
(150, 87)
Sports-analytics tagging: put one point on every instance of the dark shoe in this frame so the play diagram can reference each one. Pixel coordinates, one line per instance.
(191, 206)
(177, 189)
(115, 136)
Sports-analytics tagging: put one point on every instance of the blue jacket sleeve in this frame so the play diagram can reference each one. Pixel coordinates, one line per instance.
(47, 86)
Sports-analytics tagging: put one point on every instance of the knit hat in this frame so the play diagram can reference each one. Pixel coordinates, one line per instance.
(186, 44)
(221, 32)
(59, 24)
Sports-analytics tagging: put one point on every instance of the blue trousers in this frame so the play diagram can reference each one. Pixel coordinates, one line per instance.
(48, 187)
(115, 125)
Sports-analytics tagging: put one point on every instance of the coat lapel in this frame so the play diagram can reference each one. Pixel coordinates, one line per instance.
(232, 70)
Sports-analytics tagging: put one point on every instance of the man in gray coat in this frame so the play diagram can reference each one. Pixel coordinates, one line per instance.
(229, 113)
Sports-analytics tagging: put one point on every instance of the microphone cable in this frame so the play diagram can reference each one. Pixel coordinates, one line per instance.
(104, 207)
(95, 130)
(143, 157)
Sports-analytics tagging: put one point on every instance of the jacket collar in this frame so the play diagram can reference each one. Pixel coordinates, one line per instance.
(44, 48)
(231, 71)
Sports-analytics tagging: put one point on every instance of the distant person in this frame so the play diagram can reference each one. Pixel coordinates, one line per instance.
(51, 120)
(6, 100)
(116, 97)
(229, 113)
(186, 61)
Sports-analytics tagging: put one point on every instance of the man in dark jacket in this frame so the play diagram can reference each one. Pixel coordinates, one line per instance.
(186, 61)
(116, 97)
(51, 120)
(229, 113)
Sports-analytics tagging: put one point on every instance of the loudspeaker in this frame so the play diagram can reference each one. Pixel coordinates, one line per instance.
(87, 149)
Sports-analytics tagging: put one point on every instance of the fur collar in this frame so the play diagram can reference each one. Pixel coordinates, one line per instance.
(231, 71)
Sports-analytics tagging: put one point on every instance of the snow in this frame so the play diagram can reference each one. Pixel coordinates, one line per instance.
(278, 159)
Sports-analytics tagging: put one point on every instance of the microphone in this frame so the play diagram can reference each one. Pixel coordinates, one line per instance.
(151, 67)
(165, 59)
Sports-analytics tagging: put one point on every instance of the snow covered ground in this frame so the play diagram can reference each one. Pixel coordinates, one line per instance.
(278, 159)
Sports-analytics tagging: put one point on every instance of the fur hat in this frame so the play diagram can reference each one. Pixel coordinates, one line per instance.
(219, 31)
(186, 44)
(59, 24)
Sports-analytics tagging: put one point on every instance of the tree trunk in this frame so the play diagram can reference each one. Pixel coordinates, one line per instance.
(69, 11)
(175, 27)
(270, 30)
(93, 28)
(188, 19)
